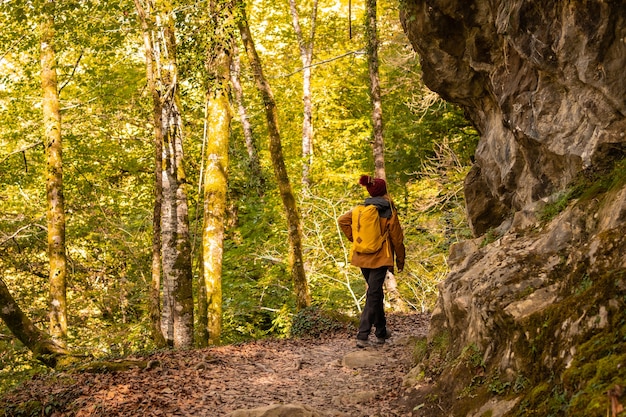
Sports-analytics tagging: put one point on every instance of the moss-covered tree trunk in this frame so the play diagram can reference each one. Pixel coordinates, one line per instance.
(39, 342)
(155, 282)
(301, 287)
(371, 35)
(219, 57)
(54, 177)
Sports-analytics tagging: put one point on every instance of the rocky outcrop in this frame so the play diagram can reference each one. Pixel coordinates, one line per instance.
(542, 82)
(527, 321)
(538, 305)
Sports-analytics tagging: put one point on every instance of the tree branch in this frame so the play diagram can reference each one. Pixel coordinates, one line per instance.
(17, 232)
(11, 47)
(72, 74)
(359, 52)
(73, 106)
(21, 150)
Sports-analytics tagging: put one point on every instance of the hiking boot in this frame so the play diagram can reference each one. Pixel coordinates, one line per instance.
(381, 340)
(361, 344)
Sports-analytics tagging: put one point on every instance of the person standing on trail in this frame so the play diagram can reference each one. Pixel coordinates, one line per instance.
(373, 250)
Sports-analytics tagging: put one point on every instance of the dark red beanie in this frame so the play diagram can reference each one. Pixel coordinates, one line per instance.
(375, 186)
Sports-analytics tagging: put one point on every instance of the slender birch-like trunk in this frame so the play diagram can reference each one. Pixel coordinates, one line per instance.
(155, 282)
(253, 154)
(219, 116)
(54, 178)
(172, 209)
(306, 56)
(296, 263)
(378, 144)
(176, 244)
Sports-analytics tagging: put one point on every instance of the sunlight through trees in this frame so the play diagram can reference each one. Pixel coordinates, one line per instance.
(246, 218)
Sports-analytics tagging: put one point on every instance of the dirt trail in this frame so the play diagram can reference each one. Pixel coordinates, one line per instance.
(219, 380)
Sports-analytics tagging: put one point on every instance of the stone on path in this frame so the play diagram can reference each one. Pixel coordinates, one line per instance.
(362, 359)
(277, 410)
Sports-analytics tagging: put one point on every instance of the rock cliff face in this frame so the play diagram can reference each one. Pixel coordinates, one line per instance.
(527, 320)
(542, 81)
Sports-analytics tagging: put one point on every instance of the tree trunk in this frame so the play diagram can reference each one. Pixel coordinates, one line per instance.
(183, 290)
(301, 287)
(215, 187)
(43, 347)
(54, 178)
(378, 144)
(306, 56)
(175, 245)
(392, 294)
(155, 284)
(219, 57)
(253, 155)
(202, 335)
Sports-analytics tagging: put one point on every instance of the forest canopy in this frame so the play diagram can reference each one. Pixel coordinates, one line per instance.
(107, 129)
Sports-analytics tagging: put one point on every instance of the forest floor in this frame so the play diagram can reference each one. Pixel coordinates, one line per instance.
(218, 380)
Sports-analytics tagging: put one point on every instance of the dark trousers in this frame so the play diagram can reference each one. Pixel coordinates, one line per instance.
(374, 311)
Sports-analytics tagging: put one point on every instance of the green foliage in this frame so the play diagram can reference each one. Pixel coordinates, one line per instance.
(315, 322)
(16, 364)
(587, 186)
(562, 200)
(433, 355)
(433, 216)
(108, 179)
(420, 349)
(473, 356)
(489, 237)
(497, 386)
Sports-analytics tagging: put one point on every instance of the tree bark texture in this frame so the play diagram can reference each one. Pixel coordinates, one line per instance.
(393, 296)
(378, 144)
(54, 178)
(306, 56)
(40, 343)
(219, 116)
(177, 306)
(301, 287)
(176, 247)
(253, 154)
(155, 282)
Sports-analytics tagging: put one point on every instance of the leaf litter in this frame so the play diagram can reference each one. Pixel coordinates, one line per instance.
(218, 380)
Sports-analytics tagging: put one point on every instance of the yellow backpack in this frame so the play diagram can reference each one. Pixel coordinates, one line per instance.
(367, 236)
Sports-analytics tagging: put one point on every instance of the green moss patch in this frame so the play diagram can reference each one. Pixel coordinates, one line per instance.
(587, 186)
(599, 366)
(599, 362)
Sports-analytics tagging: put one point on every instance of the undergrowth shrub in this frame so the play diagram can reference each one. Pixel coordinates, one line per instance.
(315, 322)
